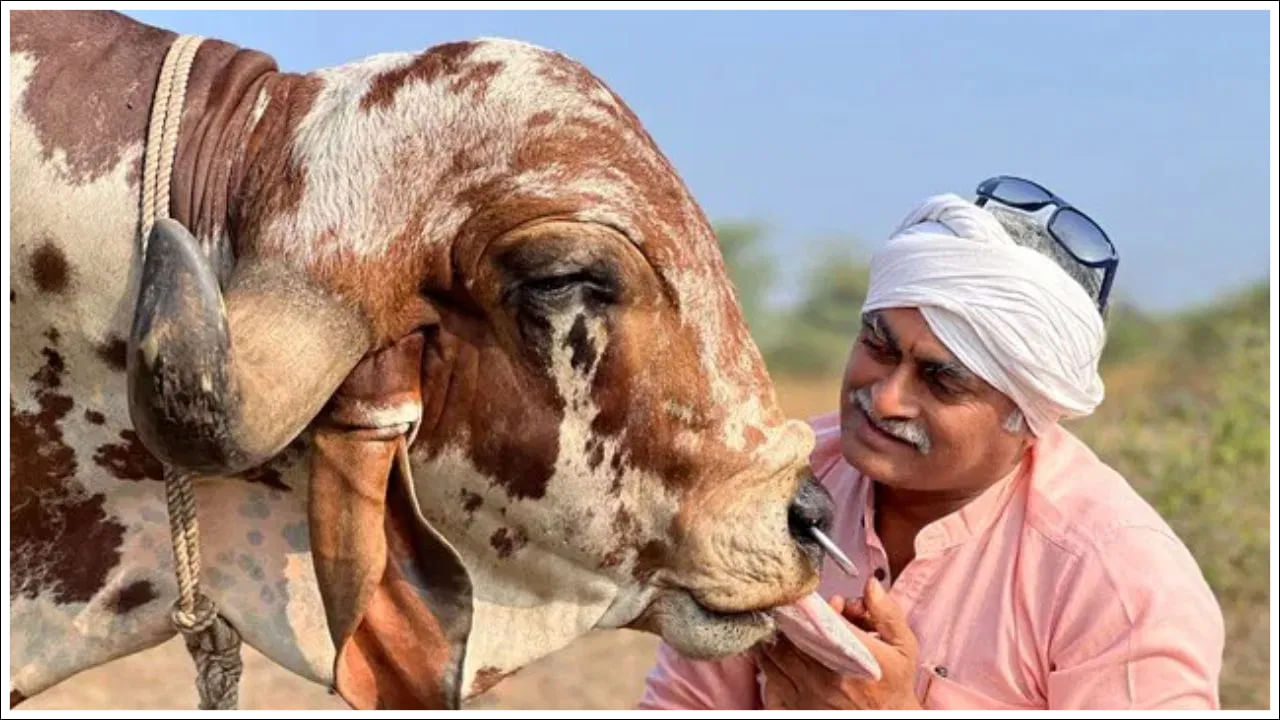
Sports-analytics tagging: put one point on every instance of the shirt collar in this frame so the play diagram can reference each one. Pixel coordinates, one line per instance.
(957, 527)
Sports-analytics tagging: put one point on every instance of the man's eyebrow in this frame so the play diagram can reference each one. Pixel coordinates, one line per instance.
(878, 327)
(952, 368)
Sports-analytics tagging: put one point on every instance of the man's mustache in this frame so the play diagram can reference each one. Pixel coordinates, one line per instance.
(908, 431)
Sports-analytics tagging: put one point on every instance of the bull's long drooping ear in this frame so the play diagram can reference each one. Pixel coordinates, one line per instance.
(219, 387)
(397, 597)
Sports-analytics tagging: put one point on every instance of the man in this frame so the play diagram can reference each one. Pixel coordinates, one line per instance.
(1001, 564)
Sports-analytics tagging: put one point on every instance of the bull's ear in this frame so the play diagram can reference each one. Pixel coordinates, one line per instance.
(396, 595)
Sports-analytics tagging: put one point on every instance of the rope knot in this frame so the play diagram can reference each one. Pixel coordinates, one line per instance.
(196, 620)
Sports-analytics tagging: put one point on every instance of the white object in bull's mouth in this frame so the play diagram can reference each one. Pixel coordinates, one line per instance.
(834, 551)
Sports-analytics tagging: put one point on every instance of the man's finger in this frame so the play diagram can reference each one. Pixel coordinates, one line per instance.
(855, 611)
(886, 617)
(838, 603)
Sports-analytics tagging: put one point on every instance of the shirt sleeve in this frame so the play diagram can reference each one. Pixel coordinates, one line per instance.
(678, 683)
(1138, 628)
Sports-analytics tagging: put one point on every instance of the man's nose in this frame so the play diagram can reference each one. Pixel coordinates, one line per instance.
(891, 398)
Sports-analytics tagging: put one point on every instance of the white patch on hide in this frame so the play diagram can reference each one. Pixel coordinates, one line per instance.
(259, 107)
(370, 171)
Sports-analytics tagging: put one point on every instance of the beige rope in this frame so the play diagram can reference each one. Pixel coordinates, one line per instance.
(213, 643)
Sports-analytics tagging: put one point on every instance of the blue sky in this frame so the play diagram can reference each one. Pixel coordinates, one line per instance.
(825, 125)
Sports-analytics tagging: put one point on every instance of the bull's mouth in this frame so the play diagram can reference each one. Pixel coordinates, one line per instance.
(701, 632)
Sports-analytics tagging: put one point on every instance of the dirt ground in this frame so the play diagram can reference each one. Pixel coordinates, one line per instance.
(603, 670)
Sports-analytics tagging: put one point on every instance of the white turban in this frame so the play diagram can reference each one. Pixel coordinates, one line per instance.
(1007, 312)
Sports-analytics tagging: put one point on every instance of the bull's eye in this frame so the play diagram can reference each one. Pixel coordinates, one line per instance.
(555, 286)
(593, 286)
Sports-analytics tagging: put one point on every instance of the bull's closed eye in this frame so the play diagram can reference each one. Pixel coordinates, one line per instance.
(556, 285)
(593, 285)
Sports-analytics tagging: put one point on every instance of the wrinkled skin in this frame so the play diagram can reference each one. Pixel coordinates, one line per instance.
(593, 430)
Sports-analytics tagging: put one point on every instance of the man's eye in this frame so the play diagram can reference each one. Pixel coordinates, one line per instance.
(942, 387)
(877, 348)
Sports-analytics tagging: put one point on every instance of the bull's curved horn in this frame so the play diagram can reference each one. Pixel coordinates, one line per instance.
(217, 388)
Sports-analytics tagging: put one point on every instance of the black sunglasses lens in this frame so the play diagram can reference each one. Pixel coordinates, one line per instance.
(1081, 236)
(1016, 192)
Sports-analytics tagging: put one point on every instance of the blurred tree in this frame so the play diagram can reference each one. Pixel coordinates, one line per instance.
(750, 269)
(821, 326)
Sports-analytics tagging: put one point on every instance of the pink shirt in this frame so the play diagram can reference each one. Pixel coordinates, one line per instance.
(1059, 587)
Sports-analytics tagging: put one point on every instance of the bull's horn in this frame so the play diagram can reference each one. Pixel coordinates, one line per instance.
(219, 389)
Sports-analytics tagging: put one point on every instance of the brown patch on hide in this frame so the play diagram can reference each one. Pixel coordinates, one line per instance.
(507, 542)
(49, 375)
(134, 596)
(487, 677)
(559, 70)
(520, 457)
(49, 269)
(540, 118)
(470, 383)
(624, 529)
(63, 541)
(89, 95)
(652, 557)
(95, 417)
(470, 502)
(595, 453)
(646, 433)
(128, 459)
(113, 352)
(16, 697)
(624, 523)
(752, 437)
(271, 177)
(388, 286)
(476, 78)
(584, 353)
(442, 60)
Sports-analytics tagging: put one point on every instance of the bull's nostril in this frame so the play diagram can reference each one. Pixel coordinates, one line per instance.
(811, 507)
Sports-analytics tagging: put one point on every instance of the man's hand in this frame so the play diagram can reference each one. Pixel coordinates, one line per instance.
(794, 681)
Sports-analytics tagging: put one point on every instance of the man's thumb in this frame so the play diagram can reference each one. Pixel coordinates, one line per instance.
(885, 615)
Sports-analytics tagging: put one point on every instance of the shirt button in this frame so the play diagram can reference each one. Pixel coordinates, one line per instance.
(880, 574)
(941, 670)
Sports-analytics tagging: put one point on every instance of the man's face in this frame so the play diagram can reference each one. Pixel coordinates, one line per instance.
(913, 417)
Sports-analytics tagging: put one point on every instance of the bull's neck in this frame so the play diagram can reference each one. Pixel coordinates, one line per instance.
(227, 88)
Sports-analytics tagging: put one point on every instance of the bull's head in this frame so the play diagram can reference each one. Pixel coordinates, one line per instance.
(480, 250)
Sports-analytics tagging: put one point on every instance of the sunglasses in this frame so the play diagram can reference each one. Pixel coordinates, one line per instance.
(1074, 231)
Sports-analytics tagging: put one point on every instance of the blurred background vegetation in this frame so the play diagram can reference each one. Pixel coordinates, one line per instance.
(1186, 417)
